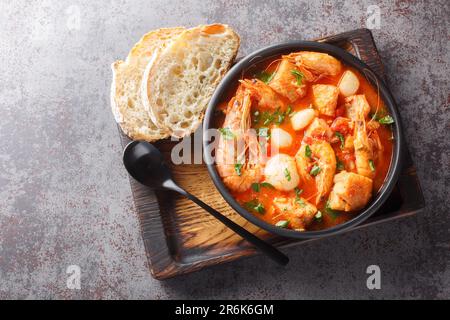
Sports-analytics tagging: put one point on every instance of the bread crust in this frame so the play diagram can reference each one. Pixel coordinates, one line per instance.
(182, 111)
(126, 103)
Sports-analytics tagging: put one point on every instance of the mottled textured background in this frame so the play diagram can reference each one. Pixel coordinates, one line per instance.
(65, 197)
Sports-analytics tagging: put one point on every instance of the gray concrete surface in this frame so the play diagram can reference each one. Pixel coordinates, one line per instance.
(65, 197)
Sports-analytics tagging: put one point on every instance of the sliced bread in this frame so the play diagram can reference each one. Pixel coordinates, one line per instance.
(126, 102)
(178, 84)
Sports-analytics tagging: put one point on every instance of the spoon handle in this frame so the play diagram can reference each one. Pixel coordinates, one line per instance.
(265, 247)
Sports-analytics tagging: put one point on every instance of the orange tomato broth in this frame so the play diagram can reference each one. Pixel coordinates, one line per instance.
(266, 195)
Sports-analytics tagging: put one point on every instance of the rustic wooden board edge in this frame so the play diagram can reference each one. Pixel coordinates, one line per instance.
(151, 225)
(161, 263)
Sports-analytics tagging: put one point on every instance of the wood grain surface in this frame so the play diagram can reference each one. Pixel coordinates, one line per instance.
(180, 237)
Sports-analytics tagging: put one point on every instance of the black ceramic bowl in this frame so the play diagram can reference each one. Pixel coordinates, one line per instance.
(230, 80)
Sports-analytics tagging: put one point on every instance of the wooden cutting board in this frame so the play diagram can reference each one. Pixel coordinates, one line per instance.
(180, 237)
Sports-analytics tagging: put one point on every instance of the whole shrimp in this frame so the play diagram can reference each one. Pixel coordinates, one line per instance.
(266, 97)
(239, 166)
(318, 155)
(358, 108)
(315, 65)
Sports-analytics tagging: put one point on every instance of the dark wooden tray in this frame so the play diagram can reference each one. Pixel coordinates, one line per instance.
(179, 237)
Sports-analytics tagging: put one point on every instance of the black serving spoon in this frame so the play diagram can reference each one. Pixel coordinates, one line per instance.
(145, 163)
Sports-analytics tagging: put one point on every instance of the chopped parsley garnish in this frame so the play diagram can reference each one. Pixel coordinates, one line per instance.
(238, 168)
(372, 165)
(308, 151)
(265, 76)
(267, 118)
(260, 208)
(287, 174)
(339, 164)
(256, 206)
(282, 223)
(299, 200)
(341, 138)
(315, 170)
(386, 120)
(257, 186)
(382, 117)
(298, 191)
(332, 213)
(298, 76)
(226, 133)
(318, 215)
(288, 110)
(279, 116)
(267, 185)
(263, 132)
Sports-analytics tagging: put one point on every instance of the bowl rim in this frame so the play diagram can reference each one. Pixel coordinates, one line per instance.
(348, 59)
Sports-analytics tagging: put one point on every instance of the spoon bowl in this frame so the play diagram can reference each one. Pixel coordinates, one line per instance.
(145, 163)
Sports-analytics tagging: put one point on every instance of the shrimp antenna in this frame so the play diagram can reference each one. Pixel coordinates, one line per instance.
(274, 61)
(312, 196)
(369, 75)
(244, 71)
